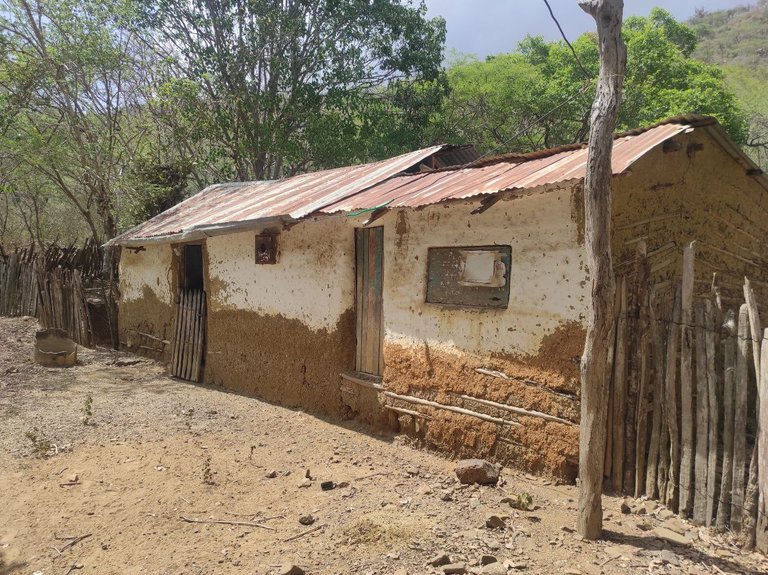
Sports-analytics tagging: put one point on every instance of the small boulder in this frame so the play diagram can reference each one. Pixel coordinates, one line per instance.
(488, 559)
(290, 569)
(439, 560)
(479, 471)
(455, 569)
(495, 522)
(494, 569)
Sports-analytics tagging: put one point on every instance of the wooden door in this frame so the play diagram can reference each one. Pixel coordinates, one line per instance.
(188, 339)
(369, 249)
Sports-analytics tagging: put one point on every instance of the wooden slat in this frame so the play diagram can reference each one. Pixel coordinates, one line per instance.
(702, 420)
(359, 299)
(686, 384)
(657, 416)
(743, 357)
(713, 386)
(762, 450)
(200, 344)
(726, 482)
(671, 498)
(620, 390)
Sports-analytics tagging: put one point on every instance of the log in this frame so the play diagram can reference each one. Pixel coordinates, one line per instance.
(713, 386)
(702, 420)
(453, 408)
(754, 324)
(726, 481)
(597, 356)
(686, 387)
(641, 416)
(671, 498)
(519, 410)
(743, 357)
(751, 501)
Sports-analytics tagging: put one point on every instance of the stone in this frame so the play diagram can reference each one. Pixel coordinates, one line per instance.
(669, 557)
(671, 536)
(494, 569)
(272, 474)
(625, 508)
(290, 569)
(305, 483)
(455, 569)
(495, 522)
(307, 519)
(479, 471)
(488, 559)
(665, 514)
(675, 525)
(439, 560)
(401, 572)
(650, 505)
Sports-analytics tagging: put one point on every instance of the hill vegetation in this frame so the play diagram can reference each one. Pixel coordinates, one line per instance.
(737, 41)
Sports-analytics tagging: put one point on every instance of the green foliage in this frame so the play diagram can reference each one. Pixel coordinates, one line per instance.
(156, 187)
(279, 87)
(539, 96)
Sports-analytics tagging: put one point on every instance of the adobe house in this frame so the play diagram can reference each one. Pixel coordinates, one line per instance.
(433, 293)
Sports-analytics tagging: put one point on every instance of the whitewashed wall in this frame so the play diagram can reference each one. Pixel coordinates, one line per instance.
(547, 278)
(150, 268)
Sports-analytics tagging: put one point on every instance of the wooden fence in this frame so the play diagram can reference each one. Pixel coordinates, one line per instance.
(684, 401)
(50, 283)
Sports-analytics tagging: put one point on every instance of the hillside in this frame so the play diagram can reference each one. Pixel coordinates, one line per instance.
(737, 40)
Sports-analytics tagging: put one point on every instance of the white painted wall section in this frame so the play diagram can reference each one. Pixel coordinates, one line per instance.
(548, 278)
(150, 268)
(313, 280)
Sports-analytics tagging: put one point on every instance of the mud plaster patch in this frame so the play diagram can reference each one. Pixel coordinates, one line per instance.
(280, 359)
(147, 314)
(536, 445)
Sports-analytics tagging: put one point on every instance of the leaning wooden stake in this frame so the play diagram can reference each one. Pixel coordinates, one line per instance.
(761, 537)
(671, 393)
(686, 385)
(597, 233)
(740, 418)
(702, 420)
(729, 368)
(714, 413)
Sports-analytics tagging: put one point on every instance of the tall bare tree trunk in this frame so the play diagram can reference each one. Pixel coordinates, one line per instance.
(597, 222)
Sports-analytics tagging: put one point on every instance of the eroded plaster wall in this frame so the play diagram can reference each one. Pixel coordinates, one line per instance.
(432, 351)
(283, 331)
(146, 301)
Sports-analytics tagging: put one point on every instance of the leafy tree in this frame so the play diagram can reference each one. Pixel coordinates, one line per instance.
(277, 87)
(544, 97)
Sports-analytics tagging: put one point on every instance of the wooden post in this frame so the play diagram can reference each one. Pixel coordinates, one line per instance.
(597, 233)
(686, 387)
(702, 420)
(740, 418)
(726, 483)
(714, 413)
(671, 497)
(619, 390)
(657, 415)
(761, 537)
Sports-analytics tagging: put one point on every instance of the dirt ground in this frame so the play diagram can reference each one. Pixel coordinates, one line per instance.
(156, 452)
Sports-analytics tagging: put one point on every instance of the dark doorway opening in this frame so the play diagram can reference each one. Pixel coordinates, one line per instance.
(192, 268)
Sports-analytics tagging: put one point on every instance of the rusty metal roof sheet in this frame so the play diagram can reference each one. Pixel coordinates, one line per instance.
(293, 198)
(393, 183)
(513, 172)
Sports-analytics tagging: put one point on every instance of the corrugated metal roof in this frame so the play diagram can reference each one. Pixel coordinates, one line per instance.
(502, 173)
(222, 207)
(293, 198)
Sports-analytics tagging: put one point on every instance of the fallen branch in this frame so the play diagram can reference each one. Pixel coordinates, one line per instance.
(75, 541)
(223, 522)
(518, 410)
(461, 410)
(307, 532)
(373, 475)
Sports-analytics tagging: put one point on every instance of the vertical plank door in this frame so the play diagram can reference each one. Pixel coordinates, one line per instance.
(369, 249)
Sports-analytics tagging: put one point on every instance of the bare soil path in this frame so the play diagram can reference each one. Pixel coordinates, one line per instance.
(157, 451)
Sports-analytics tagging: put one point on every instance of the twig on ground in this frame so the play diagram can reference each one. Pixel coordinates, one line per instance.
(74, 541)
(73, 567)
(222, 522)
(307, 532)
(373, 475)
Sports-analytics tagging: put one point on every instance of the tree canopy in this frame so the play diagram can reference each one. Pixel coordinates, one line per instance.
(540, 95)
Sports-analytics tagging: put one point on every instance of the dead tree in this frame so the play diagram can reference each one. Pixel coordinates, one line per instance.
(598, 348)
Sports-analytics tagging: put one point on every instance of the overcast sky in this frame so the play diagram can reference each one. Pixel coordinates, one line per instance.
(483, 27)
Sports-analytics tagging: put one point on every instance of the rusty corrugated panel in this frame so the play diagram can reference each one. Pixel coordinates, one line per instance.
(386, 183)
(293, 197)
(504, 173)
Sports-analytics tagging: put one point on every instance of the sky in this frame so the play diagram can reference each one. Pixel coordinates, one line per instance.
(483, 27)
